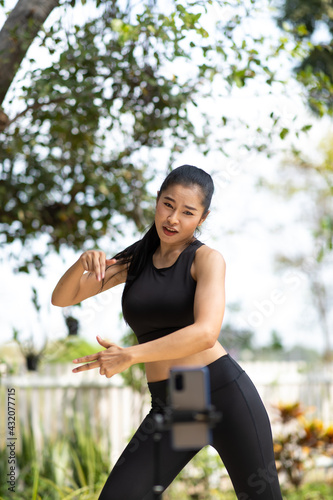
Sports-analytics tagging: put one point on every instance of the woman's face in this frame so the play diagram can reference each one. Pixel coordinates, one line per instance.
(179, 210)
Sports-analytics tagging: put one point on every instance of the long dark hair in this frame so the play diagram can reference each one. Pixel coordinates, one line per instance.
(137, 254)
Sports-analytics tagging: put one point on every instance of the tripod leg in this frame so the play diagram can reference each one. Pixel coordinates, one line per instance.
(157, 488)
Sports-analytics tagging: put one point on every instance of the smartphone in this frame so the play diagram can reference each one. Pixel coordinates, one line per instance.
(189, 390)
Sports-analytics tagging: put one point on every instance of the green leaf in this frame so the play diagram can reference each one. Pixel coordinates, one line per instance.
(284, 132)
(306, 128)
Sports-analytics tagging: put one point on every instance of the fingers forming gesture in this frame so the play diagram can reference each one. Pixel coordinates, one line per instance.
(113, 360)
(96, 262)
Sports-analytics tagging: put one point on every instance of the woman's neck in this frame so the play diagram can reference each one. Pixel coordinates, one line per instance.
(167, 252)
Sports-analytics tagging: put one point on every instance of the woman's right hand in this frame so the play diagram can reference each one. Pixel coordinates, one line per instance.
(95, 261)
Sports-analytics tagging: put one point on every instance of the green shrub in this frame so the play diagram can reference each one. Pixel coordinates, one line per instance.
(300, 443)
(73, 466)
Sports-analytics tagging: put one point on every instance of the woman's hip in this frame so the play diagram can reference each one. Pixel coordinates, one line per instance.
(222, 372)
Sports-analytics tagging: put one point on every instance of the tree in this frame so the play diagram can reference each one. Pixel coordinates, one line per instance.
(276, 341)
(119, 86)
(315, 181)
(310, 21)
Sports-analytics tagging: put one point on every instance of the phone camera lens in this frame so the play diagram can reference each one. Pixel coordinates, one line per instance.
(179, 383)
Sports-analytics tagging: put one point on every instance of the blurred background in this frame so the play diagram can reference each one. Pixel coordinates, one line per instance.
(98, 101)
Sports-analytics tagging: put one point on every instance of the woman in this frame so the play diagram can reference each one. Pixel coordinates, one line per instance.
(174, 301)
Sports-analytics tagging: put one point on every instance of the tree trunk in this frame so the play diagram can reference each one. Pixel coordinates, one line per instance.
(320, 299)
(17, 34)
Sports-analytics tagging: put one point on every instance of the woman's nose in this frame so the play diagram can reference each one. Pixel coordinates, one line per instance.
(172, 218)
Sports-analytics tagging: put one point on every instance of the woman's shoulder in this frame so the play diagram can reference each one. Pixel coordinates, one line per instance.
(208, 259)
(204, 252)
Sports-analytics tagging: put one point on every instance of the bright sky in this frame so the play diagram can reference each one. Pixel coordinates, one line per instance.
(249, 226)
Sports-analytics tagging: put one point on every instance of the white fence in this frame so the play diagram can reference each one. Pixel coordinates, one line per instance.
(288, 382)
(55, 395)
(51, 398)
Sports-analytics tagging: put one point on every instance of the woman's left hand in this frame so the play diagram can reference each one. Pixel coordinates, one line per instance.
(113, 360)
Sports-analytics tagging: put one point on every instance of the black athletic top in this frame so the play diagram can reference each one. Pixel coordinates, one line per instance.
(160, 301)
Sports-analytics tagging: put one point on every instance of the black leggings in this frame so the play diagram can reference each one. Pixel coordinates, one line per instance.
(243, 440)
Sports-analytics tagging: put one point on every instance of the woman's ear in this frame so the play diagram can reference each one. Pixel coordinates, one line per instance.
(204, 217)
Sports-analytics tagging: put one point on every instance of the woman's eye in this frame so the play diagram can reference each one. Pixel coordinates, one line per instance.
(188, 213)
(167, 204)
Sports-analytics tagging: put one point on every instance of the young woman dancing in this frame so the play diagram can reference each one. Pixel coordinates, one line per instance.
(174, 300)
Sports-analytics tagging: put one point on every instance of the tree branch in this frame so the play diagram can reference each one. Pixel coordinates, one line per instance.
(17, 34)
(36, 105)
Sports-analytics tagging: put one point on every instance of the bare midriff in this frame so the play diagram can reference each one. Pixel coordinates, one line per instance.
(159, 370)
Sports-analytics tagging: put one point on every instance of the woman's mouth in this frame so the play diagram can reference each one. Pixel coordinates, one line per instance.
(169, 231)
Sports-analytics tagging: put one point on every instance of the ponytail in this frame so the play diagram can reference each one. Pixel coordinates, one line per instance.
(136, 256)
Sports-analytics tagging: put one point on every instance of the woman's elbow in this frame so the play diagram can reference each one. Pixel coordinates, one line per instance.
(56, 301)
(210, 336)
(211, 341)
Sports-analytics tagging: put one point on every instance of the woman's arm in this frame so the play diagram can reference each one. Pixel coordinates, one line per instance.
(209, 305)
(77, 285)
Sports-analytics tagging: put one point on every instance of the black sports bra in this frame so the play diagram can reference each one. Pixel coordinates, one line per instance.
(160, 301)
